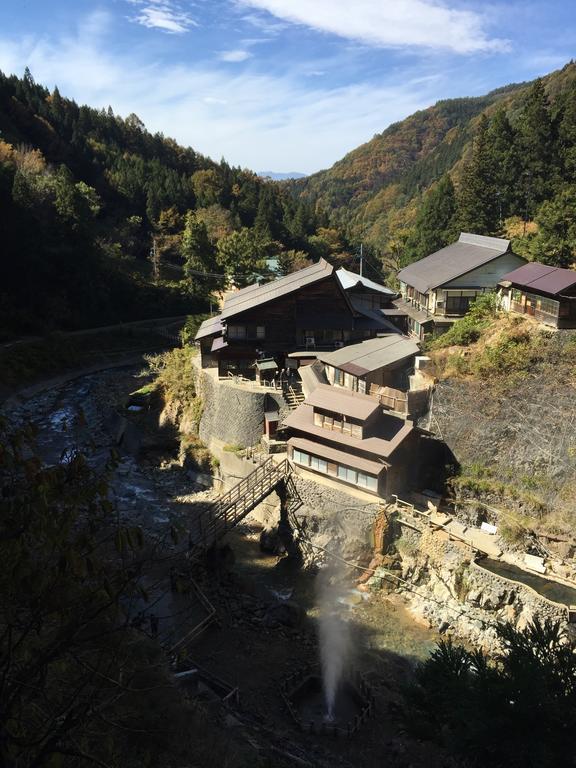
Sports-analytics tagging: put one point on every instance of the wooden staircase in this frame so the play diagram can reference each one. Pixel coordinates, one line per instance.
(293, 397)
(231, 508)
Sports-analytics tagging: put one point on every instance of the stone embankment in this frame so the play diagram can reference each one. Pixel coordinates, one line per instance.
(444, 585)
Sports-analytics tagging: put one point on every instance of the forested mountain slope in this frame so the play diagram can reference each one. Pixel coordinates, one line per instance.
(86, 196)
(502, 163)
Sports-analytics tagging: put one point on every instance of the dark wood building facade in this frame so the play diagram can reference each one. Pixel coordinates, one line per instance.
(308, 310)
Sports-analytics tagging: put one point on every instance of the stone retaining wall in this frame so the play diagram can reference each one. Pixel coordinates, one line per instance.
(450, 591)
(233, 414)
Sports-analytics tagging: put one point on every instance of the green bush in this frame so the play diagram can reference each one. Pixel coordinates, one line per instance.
(469, 329)
(518, 710)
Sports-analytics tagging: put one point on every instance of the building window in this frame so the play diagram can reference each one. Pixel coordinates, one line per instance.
(338, 423)
(236, 331)
(301, 458)
(318, 464)
(345, 473)
(338, 377)
(458, 305)
(330, 468)
(367, 481)
(260, 332)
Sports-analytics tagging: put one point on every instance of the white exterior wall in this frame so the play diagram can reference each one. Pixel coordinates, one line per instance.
(488, 275)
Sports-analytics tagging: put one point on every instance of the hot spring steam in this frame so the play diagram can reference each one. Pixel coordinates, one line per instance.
(334, 635)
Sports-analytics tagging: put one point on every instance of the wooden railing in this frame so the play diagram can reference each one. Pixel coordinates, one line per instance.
(225, 513)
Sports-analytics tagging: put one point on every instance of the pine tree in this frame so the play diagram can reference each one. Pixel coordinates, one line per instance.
(200, 265)
(536, 143)
(478, 209)
(435, 225)
(503, 149)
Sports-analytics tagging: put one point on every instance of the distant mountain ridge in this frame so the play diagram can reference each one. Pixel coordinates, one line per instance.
(278, 176)
(377, 189)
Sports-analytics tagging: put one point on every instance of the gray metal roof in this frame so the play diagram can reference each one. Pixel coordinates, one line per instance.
(266, 365)
(405, 308)
(256, 295)
(470, 252)
(542, 278)
(209, 327)
(373, 354)
(352, 280)
(311, 376)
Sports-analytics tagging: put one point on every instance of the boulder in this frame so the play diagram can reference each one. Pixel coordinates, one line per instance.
(287, 613)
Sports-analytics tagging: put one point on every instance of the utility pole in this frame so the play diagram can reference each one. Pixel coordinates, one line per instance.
(155, 261)
(361, 259)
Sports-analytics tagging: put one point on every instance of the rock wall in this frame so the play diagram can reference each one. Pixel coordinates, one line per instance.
(336, 520)
(525, 434)
(449, 590)
(233, 414)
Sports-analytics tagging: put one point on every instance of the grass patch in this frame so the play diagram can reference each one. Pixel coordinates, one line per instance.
(469, 329)
(233, 448)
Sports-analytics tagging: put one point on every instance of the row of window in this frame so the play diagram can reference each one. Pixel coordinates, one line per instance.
(246, 332)
(340, 471)
(342, 379)
(338, 423)
(550, 306)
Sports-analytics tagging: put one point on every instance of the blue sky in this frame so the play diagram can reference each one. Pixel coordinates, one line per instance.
(281, 85)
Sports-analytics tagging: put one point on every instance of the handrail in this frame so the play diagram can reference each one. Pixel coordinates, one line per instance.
(229, 509)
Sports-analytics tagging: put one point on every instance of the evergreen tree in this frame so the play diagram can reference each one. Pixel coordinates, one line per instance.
(567, 137)
(478, 209)
(198, 252)
(435, 223)
(267, 223)
(555, 242)
(503, 149)
(536, 144)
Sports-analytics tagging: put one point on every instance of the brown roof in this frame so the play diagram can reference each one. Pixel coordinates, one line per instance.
(391, 431)
(352, 404)
(255, 295)
(542, 278)
(340, 457)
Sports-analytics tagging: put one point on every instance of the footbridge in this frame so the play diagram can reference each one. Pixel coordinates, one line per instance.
(229, 510)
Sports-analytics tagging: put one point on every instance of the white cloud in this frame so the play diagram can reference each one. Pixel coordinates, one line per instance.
(389, 23)
(254, 120)
(162, 14)
(234, 57)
